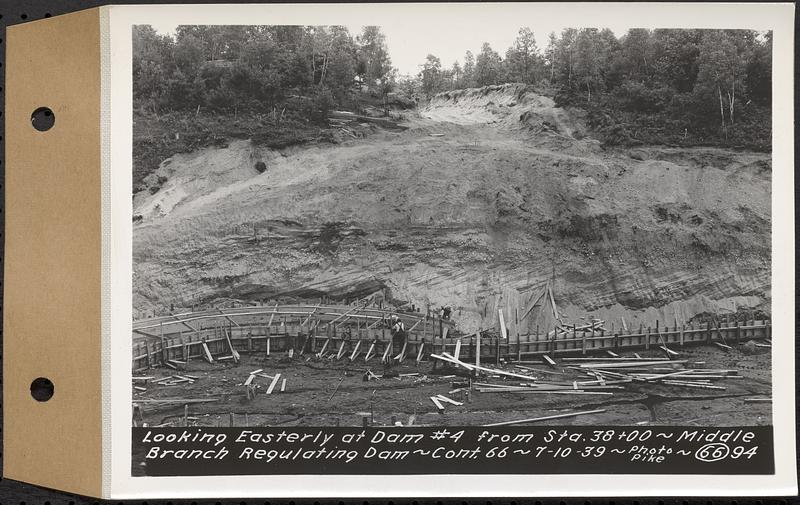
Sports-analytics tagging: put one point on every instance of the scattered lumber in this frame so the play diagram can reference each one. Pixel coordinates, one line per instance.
(450, 359)
(723, 346)
(547, 359)
(283, 385)
(547, 418)
(386, 123)
(273, 383)
(629, 364)
(437, 134)
(448, 400)
(438, 404)
(757, 400)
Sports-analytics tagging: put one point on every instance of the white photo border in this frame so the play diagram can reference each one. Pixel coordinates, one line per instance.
(117, 305)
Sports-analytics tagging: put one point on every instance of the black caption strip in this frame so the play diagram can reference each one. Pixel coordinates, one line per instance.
(466, 450)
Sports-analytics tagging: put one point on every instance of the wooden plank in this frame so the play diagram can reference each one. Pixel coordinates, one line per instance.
(207, 353)
(547, 359)
(340, 353)
(547, 418)
(228, 318)
(458, 349)
(283, 385)
(273, 383)
(503, 331)
(309, 315)
(249, 380)
(355, 351)
(402, 355)
(446, 357)
(438, 404)
(184, 323)
(177, 400)
(324, 346)
(478, 348)
(230, 346)
(385, 357)
(553, 302)
(534, 304)
(448, 400)
(419, 353)
(369, 352)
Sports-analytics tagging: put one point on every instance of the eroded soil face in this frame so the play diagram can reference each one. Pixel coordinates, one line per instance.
(508, 194)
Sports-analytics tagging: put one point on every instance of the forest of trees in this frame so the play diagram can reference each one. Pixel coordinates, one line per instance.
(709, 73)
(706, 80)
(233, 68)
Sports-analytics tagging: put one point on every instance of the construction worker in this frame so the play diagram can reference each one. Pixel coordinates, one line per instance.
(398, 332)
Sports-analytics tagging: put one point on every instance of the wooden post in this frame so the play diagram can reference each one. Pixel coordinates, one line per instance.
(231, 419)
(147, 353)
(478, 349)
(583, 338)
(647, 339)
(269, 338)
(519, 342)
(164, 352)
(738, 332)
(186, 414)
(680, 336)
(497, 351)
(708, 333)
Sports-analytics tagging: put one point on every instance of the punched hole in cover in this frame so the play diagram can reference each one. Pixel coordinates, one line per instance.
(42, 389)
(43, 119)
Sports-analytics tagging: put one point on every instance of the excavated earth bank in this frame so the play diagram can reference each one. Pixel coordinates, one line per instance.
(488, 194)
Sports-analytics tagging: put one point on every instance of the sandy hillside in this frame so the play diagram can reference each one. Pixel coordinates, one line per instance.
(477, 218)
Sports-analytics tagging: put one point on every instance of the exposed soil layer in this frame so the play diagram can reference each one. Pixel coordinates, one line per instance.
(485, 197)
(330, 393)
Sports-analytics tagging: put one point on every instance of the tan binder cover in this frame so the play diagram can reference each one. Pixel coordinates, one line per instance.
(52, 251)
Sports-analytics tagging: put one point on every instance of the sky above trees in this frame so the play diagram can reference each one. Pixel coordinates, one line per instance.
(408, 45)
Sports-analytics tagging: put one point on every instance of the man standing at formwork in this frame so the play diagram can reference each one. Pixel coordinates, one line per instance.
(398, 332)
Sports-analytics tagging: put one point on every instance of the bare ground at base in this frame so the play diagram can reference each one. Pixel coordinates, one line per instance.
(309, 398)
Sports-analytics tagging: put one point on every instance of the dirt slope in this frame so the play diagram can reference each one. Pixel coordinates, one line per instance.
(512, 194)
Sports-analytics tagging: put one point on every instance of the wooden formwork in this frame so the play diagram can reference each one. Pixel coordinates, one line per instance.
(181, 337)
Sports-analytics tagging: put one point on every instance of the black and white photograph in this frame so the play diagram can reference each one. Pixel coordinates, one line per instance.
(383, 226)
